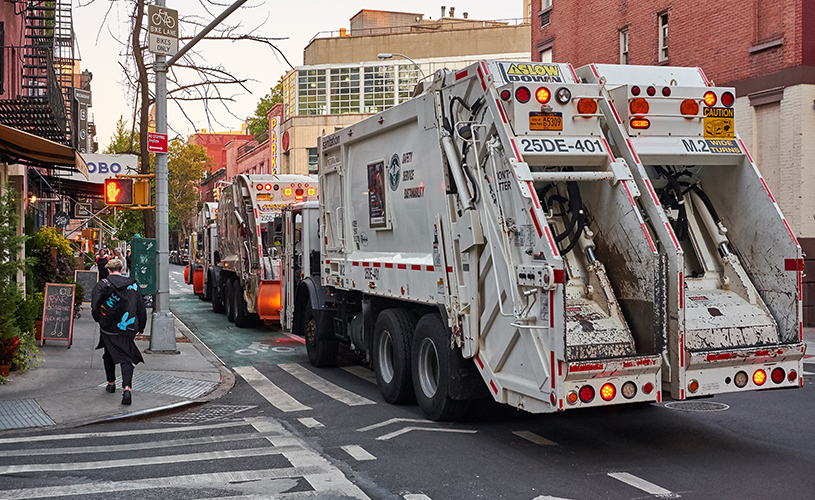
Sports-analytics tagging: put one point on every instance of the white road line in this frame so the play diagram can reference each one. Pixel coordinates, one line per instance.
(294, 337)
(808, 373)
(327, 478)
(331, 390)
(273, 394)
(642, 484)
(415, 496)
(358, 452)
(542, 497)
(310, 422)
(405, 430)
(531, 436)
(115, 448)
(361, 372)
(142, 461)
(222, 479)
(394, 421)
(175, 429)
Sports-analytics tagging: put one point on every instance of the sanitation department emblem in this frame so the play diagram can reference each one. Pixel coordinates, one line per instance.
(393, 172)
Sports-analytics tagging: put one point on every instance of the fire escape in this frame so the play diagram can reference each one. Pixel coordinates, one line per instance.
(37, 98)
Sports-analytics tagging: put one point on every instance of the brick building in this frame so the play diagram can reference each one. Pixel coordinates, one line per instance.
(215, 142)
(765, 50)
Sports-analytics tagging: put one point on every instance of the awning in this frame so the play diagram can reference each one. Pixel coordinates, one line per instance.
(16, 145)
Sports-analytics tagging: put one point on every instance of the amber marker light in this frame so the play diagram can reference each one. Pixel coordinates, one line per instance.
(587, 106)
(640, 123)
(693, 386)
(571, 398)
(607, 392)
(689, 107)
(311, 191)
(260, 187)
(759, 377)
(638, 106)
(710, 99)
(543, 95)
(287, 191)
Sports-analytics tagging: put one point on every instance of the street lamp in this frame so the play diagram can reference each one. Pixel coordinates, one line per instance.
(384, 55)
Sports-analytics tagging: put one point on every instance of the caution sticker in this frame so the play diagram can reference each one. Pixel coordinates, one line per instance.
(719, 123)
(530, 72)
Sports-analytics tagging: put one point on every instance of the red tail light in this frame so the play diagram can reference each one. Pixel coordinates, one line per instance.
(640, 123)
(523, 94)
(710, 99)
(635, 90)
(727, 99)
(260, 187)
(778, 374)
(647, 388)
(543, 95)
(506, 94)
(586, 394)
(651, 91)
(666, 91)
(793, 376)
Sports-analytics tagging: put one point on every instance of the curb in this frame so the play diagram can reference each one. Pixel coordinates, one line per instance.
(227, 377)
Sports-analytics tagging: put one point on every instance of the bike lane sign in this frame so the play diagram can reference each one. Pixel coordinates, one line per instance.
(163, 30)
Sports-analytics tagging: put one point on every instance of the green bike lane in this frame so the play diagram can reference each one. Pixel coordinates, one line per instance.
(235, 346)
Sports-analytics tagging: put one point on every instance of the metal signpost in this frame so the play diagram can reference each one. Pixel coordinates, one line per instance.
(162, 333)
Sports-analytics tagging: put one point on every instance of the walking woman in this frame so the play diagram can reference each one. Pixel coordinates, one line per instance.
(118, 306)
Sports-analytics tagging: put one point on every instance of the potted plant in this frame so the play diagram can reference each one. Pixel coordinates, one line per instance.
(8, 349)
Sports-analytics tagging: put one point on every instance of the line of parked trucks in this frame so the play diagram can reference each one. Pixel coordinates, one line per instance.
(551, 237)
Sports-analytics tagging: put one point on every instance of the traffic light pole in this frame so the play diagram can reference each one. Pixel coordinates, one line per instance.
(162, 328)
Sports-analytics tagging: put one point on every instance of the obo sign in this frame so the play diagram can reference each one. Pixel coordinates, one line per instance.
(100, 167)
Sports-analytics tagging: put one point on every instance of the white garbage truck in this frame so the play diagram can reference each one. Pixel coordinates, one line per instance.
(245, 274)
(481, 240)
(206, 243)
(734, 265)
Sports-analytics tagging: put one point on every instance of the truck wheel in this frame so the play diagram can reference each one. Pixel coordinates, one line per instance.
(391, 355)
(431, 371)
(229, 301)
(207, 296)
(217, 300)
(242, 317)
(321, 353)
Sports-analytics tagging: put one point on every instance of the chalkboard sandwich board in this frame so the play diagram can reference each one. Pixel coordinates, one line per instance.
(88, 280)
(58, 313)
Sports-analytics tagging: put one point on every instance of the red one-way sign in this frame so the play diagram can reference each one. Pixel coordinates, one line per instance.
(156, 143)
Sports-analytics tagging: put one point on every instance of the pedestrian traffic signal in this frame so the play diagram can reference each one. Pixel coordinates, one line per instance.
(141, 192)
(119, 192)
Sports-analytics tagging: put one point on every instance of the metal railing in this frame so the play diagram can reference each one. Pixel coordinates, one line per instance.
(447, 24)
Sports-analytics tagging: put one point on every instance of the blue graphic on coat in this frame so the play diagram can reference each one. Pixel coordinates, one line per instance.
(124, 322)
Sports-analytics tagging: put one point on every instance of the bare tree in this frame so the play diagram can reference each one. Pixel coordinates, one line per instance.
(190, 80)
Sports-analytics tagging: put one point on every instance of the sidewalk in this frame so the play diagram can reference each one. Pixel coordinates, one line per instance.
(68, 388)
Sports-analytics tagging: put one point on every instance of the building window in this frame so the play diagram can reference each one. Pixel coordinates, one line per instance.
(624, 46)
(290, 95)
(379, 88)
(344, 91)
(313, 160)
(408, 78)
(663, 36)
(546, 55)
(311, 92)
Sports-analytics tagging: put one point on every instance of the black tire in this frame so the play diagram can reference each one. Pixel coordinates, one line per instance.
(242, 317)
(322, 352)
(229, 300)
(207, 295)
(431, 371)
(393, 333)
(217, 299)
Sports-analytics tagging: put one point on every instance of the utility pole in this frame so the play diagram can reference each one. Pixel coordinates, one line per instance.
(162, 328)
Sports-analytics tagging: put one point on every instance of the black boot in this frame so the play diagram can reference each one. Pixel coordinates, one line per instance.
(126, 399)
(111, 388)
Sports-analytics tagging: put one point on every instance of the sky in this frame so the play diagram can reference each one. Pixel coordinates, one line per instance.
(297, 22)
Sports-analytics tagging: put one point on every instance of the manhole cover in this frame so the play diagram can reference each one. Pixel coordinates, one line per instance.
(696, 406)
(203, 414)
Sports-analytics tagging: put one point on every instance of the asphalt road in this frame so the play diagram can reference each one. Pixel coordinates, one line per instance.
(288, 430)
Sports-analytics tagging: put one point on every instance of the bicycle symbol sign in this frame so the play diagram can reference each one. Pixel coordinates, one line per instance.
(163, 30)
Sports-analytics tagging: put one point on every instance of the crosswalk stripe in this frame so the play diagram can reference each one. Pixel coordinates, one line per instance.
(215, 478)
(358, 452)
(150, 445)
(531, 436)
(331, 390)
(642, 484)
(142, 461)
(273, 394)
(361, 372)
(416, 496)
(310, 422)
(63, 437)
